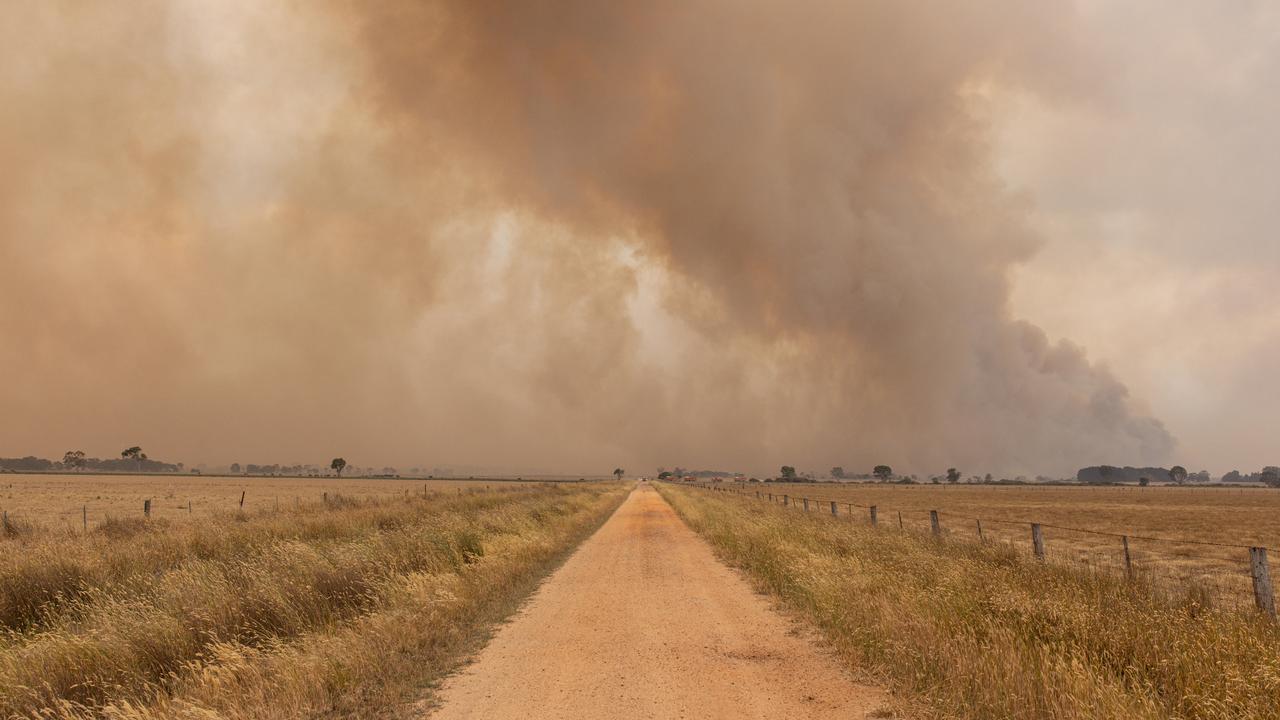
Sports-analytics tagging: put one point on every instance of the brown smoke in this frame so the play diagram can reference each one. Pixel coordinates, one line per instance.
(560, 234)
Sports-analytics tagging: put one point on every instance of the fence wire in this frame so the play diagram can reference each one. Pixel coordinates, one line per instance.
(1212, 572)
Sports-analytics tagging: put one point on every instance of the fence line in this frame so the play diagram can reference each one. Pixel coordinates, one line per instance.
(13, 527)
(1258, 566)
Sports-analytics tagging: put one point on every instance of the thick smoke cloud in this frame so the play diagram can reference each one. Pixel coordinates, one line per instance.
(559, 235)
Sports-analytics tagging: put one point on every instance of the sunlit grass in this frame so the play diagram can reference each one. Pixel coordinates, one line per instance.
(979, 630)
(340, 609)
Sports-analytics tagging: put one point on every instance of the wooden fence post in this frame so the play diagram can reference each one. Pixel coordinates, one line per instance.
(1128, 561)
(874, 521)
(146, 508)
(242, 499)
(786, 500)
(933, 522)
(980, 528)
(1037, 540)
(84, 516)
(834, 511)
(1263, 595)
(806, 504)
(900, 525)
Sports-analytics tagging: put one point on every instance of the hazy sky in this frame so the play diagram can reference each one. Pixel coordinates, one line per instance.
(1159, 201)
(569, 235)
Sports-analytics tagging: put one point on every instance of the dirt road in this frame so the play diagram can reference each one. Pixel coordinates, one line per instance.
(644, 622)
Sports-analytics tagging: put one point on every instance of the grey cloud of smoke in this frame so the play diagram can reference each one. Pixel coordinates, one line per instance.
(557, 235)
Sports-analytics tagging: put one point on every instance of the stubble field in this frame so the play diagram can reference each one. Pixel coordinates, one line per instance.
(1179, 537)
(52, 502)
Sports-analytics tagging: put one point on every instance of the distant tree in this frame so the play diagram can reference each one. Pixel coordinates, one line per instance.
(1143, 482)
(788, 472)
(664, 475)
(1178, 474)
(953, 475)
(337, 465)
(73, 459)
(618, 473)
(134, 453)
(1270, 476)
(837, 472)
(235, 468)
(884, 472)
(989, 477)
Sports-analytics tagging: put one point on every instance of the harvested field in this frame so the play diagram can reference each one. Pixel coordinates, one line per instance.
(1224, 518)
(345, 609)
(59, 501)
(976, 630)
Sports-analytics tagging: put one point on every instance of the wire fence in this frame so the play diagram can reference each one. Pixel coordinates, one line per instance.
(1226, 574)
(87, 516)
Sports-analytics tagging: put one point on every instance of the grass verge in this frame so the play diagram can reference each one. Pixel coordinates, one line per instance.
(977, 631)
(342, 611)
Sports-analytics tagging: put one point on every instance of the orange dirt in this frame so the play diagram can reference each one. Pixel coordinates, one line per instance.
(644, 622)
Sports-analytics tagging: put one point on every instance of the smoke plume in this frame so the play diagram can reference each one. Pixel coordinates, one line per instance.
(560, 234)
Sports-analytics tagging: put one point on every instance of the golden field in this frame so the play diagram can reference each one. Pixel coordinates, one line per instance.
(980, 631)
(59, 501)
(350, 608)
(1232, 516)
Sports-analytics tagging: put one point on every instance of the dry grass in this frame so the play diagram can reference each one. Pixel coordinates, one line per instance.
(58, 501)
(978, 630)
(1239, 516)
(339, 610)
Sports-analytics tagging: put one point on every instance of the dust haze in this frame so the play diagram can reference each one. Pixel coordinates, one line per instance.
(560, 235)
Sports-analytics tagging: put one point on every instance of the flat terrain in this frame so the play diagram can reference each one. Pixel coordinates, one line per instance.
(644, 622)
(1233, 516)
(58, 501)
(345, 609)
(976, 631)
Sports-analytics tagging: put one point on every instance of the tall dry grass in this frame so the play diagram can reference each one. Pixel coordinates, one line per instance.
(341, 610)
(971, 630)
